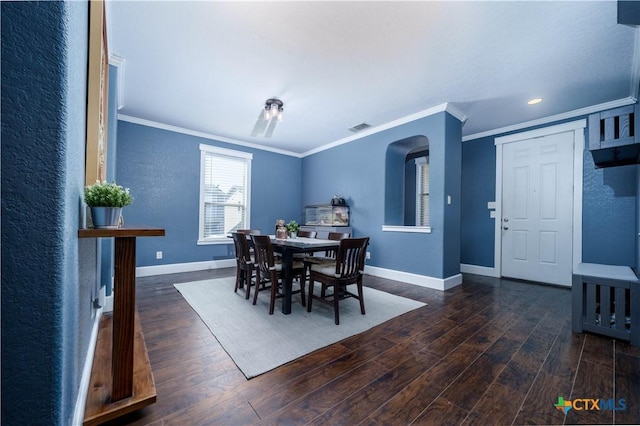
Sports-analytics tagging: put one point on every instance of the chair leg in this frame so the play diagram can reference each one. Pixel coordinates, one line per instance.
(257, 290)
(272, 301)
(360, 297)
(238, 275)
(303, 282)
(248, 283)
(336, 298)
(310, 298)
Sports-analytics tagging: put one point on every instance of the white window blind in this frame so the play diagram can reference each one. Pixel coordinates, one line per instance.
(422, 191)
(225, 177)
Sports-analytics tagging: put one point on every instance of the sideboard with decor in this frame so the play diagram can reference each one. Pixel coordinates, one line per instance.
(325, 218)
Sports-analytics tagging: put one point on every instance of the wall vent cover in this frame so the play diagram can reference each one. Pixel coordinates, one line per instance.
(359, 127)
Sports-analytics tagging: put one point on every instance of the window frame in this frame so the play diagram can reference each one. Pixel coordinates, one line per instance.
(420, 163)
(206, 150)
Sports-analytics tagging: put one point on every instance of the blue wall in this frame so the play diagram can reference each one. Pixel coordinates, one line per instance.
(478, 188)
(162, 170)
(609, 206)
(357, 171)
(46, 311)
(609, 214)
(452, 189)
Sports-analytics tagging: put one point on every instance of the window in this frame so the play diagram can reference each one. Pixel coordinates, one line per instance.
(422, 191)
(225, 177)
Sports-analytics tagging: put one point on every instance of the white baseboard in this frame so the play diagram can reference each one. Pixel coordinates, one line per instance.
(408, 277)
(421, 280)
(479, 270)
(83, 390)
(145, 271)
(108, 303)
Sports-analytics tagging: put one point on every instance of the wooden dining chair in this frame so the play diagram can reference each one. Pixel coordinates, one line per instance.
(245, 263)
(335, 236)
(347, 269)
(304, 234)
(329, 255)
(270, 275)
(307, 234)
(249, 231)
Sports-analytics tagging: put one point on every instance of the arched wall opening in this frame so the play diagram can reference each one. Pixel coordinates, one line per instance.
(406, 196)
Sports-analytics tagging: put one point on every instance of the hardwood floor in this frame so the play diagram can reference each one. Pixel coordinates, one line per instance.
(491, 351)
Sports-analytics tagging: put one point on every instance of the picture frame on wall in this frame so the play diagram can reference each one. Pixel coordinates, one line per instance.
(97, 95)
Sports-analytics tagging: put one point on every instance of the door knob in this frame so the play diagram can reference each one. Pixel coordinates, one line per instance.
(505, 228)
(506, 219)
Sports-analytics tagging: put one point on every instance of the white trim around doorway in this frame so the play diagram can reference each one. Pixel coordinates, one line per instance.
(577, 127)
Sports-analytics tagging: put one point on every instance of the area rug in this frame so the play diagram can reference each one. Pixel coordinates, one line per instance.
(258, 342)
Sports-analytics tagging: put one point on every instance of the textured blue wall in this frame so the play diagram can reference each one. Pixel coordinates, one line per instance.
(162, 169)
(46, 313)
(357, 171)
(452, 187)
(478, 188)
(609, 206)
(609, 214)
(394, 190)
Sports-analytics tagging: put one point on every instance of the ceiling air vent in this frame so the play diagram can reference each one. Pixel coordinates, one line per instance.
(359, 127)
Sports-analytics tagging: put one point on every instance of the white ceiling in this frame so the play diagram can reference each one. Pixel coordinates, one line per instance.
(209, 66)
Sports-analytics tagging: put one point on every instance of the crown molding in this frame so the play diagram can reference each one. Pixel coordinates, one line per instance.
(391, 124)
(182, 130)
(553, 118)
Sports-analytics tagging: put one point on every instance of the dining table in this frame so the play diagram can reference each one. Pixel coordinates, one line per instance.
(288, 247)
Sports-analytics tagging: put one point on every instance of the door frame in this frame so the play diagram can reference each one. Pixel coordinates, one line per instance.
(577, 127)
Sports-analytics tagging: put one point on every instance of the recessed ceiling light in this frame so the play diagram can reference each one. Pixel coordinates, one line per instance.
(534, 101)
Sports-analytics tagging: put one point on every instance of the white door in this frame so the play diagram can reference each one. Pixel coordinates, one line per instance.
(537, 209)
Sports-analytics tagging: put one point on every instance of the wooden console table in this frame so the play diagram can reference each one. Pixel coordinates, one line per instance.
(122, 398)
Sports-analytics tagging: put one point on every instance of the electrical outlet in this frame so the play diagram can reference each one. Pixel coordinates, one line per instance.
(158, 255)
(368, 255)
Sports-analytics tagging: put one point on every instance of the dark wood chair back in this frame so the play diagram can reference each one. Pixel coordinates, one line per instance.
(350, 258)
(263, 251)
(335, 236)
(244, 263)
(307, 234)
(243, 249)
(249, 231)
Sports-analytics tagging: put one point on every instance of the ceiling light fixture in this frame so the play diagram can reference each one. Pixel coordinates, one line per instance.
(273, 108)
(534, 101)
(268, 117)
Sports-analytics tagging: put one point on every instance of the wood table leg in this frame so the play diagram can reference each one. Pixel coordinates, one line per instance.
(123, 317)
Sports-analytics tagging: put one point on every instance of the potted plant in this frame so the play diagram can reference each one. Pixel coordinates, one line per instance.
(292, 228)
(106, 201)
